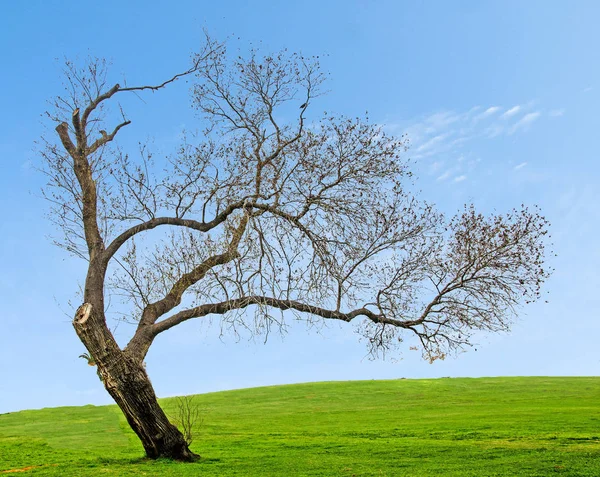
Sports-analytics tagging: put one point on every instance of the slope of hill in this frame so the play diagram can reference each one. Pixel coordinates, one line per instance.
(442, 427)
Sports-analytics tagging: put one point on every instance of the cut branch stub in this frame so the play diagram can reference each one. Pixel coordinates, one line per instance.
(63, 132)
(91, 329)
(83, 313)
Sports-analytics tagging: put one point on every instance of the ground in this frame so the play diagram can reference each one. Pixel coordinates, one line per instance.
(443, 427)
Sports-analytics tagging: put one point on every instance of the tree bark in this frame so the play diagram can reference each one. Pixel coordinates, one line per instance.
(125, 379)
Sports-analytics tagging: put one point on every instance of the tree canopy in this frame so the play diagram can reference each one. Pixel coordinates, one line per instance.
(269, 210)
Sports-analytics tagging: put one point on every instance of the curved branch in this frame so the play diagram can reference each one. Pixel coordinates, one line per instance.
(155, 310)
(116, 244)
(240, 303)
(144, 334)
(106, 138)
(210, 48)
(94, 104)
(193, 69)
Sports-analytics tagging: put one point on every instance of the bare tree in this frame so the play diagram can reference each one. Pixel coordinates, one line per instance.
(187, 416)
(268, 213)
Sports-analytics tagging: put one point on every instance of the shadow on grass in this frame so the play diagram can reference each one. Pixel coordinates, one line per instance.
(125, 461)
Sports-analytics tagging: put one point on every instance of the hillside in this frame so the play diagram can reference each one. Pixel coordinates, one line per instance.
(455, 427)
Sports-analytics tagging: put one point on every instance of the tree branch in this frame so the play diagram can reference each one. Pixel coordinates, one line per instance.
(63, 133)
(176, 221)
(82, 170)
(240, 303)
(193, 69)
(94, 104)
(106, 138)
(79, 131)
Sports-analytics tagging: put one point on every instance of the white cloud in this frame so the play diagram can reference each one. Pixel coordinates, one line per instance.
(441, 141)
(487, 113)
(444, 176)
(432, 142)
(441, 119)
(524, 123)
(460, 140)
(438, 133)
(494, 131)
(436, 166)
(447, 132)
(520, 166)
(556, 113)
(492, 110)
(511, 112)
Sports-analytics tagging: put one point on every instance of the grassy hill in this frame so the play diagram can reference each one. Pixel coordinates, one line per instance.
(440, 427)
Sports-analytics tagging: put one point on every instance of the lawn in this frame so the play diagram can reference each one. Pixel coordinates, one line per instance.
(430, 427)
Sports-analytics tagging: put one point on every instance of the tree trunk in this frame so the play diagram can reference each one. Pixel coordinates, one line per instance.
(127, 382)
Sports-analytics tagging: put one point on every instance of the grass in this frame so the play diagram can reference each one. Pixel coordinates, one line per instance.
(439, 427)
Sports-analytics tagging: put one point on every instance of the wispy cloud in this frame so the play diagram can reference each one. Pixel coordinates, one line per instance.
(446, 132)
(494, 130)
(445, 143)
(431, 143)
(444, 176)
(556, 113)
(524, 123)
(487, 113)
(492, 110)
(435, 166)
(520, 166)
(511, 112)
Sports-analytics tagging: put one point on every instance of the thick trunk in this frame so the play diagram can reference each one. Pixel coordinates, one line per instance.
(127, 382)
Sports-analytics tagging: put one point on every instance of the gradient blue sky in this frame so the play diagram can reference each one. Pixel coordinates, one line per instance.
(500, 100)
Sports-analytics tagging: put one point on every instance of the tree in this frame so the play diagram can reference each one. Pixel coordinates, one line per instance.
(270, 212)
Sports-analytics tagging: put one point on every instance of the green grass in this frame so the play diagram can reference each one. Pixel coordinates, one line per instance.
(440, 427)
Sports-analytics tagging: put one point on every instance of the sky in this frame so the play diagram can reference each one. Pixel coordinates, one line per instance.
(500, 102)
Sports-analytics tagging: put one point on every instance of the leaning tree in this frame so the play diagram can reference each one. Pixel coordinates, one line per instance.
(268, 212)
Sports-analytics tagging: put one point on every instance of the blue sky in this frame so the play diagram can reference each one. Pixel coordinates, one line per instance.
(500, 100)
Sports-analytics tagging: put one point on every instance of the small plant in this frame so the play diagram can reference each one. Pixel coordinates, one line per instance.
(91, 362)
(187, 415)
(88, 358)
